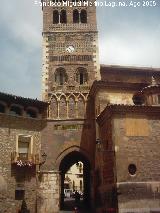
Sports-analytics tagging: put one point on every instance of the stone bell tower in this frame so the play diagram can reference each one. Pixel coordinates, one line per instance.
(70, 56)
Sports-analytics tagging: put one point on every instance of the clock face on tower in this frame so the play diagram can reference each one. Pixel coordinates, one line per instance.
(70, 48)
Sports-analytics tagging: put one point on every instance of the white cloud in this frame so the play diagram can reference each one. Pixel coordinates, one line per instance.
(22, 19)
(141, 50)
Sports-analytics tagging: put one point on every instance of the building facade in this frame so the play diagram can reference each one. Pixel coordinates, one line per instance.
(106, 117)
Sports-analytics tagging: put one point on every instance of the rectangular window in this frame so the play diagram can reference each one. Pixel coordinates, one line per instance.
(24, 146)
(19, 194)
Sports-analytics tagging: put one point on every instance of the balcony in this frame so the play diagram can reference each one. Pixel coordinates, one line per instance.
(24, 159)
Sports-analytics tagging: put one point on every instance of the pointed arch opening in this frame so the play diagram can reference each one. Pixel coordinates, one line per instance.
(63, 17)
(75, 16)
(83, 16)
(55, 17)
(75, 167)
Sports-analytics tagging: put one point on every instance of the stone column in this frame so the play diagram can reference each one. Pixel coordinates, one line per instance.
(48, 192)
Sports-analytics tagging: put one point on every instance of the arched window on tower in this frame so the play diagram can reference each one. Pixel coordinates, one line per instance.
(83, 16)
(75, 16)
(81, 75)
(55, 17)
(63, 17)
(60, 76)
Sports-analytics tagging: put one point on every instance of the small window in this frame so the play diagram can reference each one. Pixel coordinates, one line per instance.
(19, 194)
(15, 110)
(132, 169)
(2, 108)
(55, 17)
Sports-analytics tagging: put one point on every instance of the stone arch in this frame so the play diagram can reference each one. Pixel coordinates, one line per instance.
(83, 16)
(54, 107)
(55, 17)
(68, 158)
(81, 106)
(60, 76)
(75, 16)
(71, 107)
(67, 150)
(62, 107)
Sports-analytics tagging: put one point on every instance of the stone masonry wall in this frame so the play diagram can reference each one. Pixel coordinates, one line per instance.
(139, 192)
(112, 96)
(48, 194)
(10, 127)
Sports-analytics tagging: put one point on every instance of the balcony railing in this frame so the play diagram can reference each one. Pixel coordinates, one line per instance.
(25, 159)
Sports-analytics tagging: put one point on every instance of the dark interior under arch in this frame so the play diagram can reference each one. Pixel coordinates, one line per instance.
(65, 164)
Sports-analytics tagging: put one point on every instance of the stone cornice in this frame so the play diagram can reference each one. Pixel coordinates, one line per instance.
(97, 85)
(129, 69)
(23, 101)
(151, 89)
(111, 110)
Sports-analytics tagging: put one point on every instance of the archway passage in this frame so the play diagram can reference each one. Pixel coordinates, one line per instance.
(69, 197)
